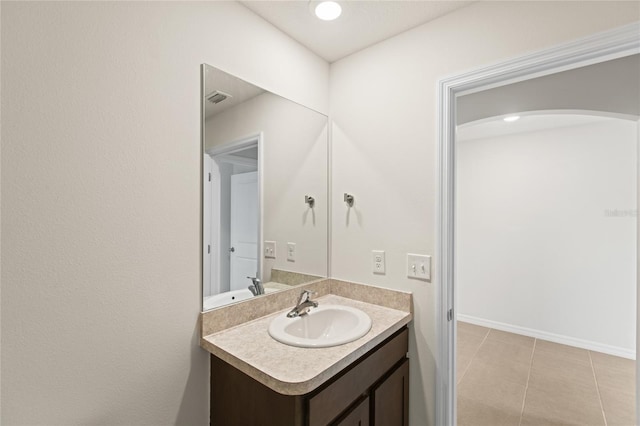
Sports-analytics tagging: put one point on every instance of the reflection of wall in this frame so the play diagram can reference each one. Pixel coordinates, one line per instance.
(100, 200)
(384, 114)
(295, 164)
(538, 245)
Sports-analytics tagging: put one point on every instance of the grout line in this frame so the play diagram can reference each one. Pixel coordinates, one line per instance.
(595, 378)
(526, 388)
(473, 357)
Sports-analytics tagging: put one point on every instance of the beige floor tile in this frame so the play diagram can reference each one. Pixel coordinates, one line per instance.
(619, 407)
(474, 413)
(561, 367)
(568, 389)
(462, 364)
(469, 342)
(494, 366)
(563, 351)
(611, 378)
(514, 372)
(614, 372)
(503, 336)
(480, 386)
(472, 329)
(544, 420)
(610, 361)
(504, 352)
(559, 407)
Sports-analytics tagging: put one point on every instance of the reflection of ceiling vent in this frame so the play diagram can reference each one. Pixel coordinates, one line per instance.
(217, 97)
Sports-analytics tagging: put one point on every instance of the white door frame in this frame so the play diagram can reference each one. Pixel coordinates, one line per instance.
(227, 150)
(597, 48)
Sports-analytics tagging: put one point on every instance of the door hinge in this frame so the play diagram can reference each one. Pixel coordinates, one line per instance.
(209, 177)
(450, 315)
(209, 248)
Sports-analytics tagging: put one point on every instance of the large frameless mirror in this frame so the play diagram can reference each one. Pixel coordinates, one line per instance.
(264, 197)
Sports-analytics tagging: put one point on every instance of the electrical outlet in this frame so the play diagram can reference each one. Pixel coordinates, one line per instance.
(270, 249)
(378, 265)
(419, 266)
(291, 252)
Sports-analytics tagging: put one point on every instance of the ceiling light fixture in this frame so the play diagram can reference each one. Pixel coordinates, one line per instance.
(511, 118)
(328, 10)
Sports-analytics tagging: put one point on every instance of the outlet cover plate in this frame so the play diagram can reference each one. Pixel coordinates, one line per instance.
(291, 252)
(378, 265)
(419, 266)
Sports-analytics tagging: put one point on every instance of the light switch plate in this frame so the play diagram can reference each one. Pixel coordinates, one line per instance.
(291, 252)
(378, 264)
(270, 249)
(419, 266)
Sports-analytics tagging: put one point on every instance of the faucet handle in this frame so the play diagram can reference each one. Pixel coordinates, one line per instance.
(306, 295)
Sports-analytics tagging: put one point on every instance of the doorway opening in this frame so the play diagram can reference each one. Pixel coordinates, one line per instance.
(232, 216)
(546, 269)
(596, 49)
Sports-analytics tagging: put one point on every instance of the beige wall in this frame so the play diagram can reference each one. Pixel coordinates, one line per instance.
(100, 200)
(384, 112)
(542, 196)
(100, 154)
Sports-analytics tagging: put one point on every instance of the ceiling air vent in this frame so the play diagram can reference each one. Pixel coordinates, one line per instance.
(217, 97)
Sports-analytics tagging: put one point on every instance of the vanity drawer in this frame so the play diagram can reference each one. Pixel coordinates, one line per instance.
(337, 396)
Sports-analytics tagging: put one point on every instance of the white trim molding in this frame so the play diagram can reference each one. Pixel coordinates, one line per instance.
(617, 43)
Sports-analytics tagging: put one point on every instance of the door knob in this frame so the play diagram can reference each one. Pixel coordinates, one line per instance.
(232, 249)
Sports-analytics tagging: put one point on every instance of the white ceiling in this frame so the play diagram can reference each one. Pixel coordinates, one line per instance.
(609, 87)
(217, 80)
(496, 126)
(361, 24)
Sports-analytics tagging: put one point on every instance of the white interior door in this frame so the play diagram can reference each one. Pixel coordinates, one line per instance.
(244, 229)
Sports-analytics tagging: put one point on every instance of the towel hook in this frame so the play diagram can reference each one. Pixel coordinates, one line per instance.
(309, 200)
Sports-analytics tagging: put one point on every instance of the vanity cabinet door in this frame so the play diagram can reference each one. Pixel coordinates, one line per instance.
(358, 416)
(338, 395)
(391, 399)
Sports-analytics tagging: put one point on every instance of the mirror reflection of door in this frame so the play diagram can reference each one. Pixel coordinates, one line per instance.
(231, 218)
(243, 252)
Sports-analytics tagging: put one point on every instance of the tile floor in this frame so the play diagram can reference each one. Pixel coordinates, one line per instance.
(509, 379)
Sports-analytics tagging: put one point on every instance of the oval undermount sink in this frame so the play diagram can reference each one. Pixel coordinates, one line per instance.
(322, 327)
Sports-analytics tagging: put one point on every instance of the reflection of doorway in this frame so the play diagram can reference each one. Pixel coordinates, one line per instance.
(243, 252)
(231, 216)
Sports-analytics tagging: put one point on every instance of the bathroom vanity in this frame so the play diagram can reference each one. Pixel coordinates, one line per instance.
(256, 380)
(373, 390)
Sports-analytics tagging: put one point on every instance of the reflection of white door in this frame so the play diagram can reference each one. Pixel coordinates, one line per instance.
(244, 229)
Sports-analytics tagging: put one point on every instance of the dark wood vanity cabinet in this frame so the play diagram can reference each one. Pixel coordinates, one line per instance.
(373, 390)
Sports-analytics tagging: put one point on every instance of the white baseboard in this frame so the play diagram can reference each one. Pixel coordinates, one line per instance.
(551, 337)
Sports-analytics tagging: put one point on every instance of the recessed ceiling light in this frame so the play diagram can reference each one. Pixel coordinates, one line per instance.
(511, 118)
(328, 10)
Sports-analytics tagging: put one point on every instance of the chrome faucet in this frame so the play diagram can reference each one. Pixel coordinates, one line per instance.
(256, 288)
(304, 304)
